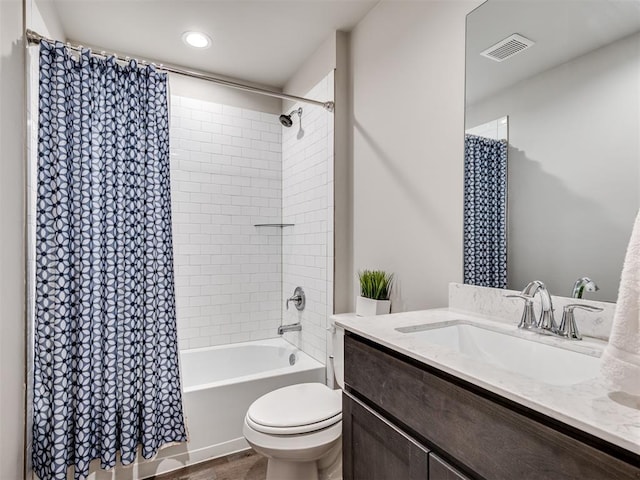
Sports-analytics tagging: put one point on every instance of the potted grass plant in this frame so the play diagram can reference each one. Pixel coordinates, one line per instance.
(375, 289)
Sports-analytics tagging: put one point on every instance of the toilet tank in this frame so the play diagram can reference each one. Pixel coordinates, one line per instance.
(337, 350)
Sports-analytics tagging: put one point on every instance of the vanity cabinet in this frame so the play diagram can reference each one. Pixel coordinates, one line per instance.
(397, 410)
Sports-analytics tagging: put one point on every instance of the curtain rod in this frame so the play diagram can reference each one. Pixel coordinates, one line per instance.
(34, 38)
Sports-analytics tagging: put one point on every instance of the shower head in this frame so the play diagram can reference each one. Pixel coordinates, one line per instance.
(286, 121)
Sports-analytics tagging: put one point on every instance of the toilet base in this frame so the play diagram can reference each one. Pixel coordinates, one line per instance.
(329, 467)
(311, 456)
(286, 470)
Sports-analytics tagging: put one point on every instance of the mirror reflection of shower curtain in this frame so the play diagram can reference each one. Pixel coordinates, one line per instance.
(485, 212)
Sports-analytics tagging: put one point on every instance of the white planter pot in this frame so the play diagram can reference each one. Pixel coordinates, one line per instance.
(366, 307)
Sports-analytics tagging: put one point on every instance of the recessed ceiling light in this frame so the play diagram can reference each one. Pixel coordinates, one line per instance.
(196, 39)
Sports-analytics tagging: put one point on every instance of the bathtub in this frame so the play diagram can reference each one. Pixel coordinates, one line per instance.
(219, 383)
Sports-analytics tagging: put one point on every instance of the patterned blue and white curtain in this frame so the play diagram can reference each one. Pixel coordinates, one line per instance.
(106, 373)
(485, 212)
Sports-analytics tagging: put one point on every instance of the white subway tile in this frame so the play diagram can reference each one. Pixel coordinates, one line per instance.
(232, 151)
(211, 147)
(232, 131)
(201, 115)
(251, 114)
(231, 111)
(252, 134)
(227, 270)
(222, 140)
(260, 126)
(212, 107)
(191, 103)
(200, 136)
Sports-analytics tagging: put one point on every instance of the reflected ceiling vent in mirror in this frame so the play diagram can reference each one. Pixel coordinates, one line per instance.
(507, 48)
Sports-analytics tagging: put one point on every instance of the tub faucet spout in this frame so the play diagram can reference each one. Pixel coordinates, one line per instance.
(294, 327)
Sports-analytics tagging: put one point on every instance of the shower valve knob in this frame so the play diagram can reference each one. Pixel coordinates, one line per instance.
(298, 299)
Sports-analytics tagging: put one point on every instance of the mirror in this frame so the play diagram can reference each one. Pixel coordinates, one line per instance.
(572, 100)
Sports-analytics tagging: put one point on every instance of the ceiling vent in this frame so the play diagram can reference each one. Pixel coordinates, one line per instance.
(507, 48)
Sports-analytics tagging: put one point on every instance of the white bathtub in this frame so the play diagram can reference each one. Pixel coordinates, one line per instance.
(219, 384)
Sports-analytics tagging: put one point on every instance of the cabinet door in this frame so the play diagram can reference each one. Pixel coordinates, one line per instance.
(441, 470)
(375, 449)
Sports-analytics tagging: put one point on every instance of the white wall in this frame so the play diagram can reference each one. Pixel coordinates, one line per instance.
(407, 86)
(316, 67)
(307, 202)
(12, 249)
(226, 174)
(42, 16)
(573, 168)
(342, 181)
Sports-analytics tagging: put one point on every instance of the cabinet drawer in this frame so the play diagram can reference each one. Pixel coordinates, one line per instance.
(374, 449)
(490, 439)
(441, 470)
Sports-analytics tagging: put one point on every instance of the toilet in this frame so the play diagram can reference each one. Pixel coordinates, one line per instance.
(299, 427)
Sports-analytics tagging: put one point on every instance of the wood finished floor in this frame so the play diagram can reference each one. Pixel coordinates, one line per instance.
(247, 465)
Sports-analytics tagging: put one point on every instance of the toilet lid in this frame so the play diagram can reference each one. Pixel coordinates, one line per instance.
(296, 409)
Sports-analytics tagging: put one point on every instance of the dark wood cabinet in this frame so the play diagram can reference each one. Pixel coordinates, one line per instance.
(375, 449)
(441, 470)
(481, 434)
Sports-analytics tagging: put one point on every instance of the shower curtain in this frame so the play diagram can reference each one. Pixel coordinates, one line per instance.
(485, 212)
(106, 373)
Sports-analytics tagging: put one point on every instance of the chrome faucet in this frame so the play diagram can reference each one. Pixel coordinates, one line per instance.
(567, 329)
(547, 321)
(584, 284)
(293, 327)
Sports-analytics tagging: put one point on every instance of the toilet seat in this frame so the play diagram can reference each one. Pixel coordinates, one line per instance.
(296, 409)
(296, 430)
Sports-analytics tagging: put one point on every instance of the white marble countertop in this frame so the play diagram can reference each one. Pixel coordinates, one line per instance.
(587, 406)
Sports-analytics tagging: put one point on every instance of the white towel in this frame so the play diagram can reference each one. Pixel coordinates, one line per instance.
(620, 366)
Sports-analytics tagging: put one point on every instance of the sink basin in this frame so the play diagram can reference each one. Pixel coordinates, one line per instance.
(545, 363)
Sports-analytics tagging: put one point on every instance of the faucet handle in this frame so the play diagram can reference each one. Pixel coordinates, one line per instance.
(582, 306)
(568, 327)
(527, 321)
(519, 295)
(298, 299)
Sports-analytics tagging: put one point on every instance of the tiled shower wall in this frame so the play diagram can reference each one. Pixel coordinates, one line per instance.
(226, 175)
(307, 202)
